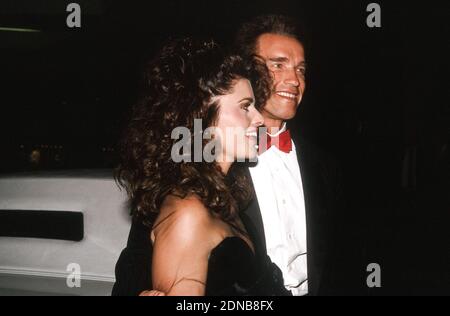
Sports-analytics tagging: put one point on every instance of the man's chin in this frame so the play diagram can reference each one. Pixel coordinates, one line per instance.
(286, 113)
(288, 116)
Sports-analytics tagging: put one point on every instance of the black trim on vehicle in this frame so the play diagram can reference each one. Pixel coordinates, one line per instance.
(61, 225)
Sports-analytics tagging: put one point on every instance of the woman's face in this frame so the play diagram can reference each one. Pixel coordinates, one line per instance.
(237, 123)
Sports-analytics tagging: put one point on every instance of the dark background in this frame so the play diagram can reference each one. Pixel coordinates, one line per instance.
(376, 98)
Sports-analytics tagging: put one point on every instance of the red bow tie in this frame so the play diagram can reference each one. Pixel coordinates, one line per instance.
(283, 142)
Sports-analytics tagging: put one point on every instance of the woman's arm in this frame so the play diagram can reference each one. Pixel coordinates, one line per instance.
(181, 250)
(152, 293)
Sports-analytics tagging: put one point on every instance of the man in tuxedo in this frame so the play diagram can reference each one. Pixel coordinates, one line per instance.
(297, 186)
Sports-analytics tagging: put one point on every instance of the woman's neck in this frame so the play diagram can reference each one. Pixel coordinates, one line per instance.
(225, 166)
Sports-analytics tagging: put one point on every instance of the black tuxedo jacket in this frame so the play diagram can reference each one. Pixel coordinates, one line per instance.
(322, 186)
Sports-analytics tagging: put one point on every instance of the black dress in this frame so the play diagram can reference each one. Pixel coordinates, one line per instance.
(233, 268)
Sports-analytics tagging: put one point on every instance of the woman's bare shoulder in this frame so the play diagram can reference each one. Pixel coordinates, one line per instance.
(186, 216)
(189, 208)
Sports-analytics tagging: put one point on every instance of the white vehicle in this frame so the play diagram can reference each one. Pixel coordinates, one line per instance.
(61, 233)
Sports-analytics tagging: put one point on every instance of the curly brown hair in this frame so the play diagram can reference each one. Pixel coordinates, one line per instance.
(179, 86)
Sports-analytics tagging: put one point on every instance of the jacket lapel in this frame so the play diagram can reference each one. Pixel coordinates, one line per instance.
(252, 220)
(318, 179)
(309, 182)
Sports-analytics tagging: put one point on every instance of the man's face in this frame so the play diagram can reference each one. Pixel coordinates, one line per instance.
(285, 58)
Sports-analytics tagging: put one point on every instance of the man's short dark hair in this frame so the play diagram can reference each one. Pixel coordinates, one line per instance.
(248, 34)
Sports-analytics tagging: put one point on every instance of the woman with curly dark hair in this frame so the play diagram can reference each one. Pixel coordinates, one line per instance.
(197, 241)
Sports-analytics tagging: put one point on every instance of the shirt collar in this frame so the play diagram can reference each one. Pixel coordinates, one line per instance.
(283, 128)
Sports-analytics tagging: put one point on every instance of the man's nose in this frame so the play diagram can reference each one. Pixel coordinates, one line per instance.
(291, 78)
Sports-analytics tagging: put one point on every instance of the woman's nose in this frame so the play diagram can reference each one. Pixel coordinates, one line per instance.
(258, 119)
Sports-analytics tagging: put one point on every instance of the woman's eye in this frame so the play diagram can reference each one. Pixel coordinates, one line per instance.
(245, 107)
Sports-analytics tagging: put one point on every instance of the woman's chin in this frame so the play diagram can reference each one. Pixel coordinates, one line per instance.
(252, 154)
(249, 152)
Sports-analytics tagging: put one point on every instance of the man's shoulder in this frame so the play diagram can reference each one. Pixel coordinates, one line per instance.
(311, 149)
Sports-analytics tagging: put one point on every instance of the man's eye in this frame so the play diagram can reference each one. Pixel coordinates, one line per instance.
(277, 66)
(301, 71)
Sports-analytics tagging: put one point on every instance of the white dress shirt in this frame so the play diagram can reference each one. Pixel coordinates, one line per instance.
(278, 185)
